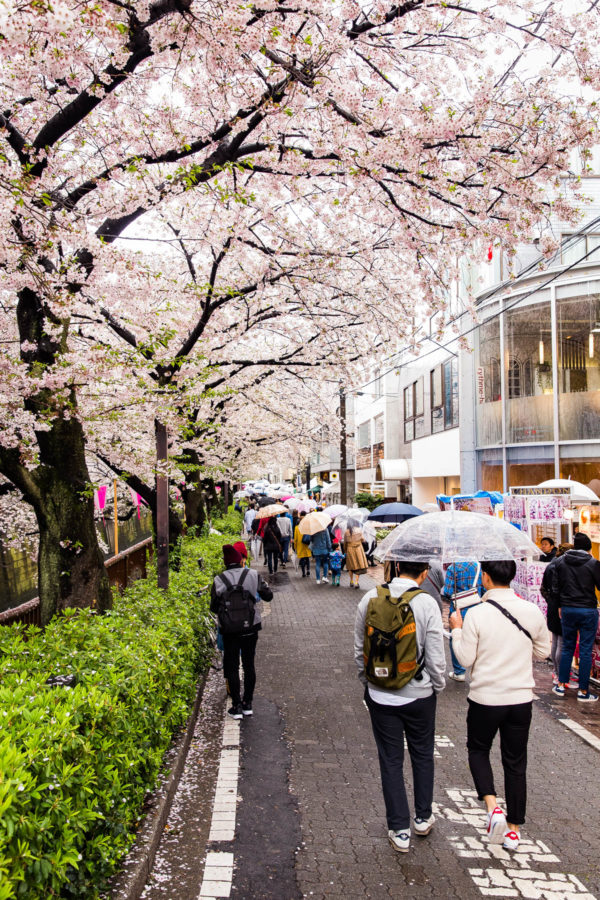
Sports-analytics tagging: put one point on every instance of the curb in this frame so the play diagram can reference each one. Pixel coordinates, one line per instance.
(130, 881)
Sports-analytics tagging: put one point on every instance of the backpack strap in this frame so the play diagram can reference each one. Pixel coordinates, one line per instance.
(228, 583)
(508, 615)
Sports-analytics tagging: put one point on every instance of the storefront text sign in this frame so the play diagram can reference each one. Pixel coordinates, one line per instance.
(480, 385)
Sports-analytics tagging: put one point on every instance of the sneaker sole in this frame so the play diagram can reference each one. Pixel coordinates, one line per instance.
(398, 849)
(424, 833)
(587, 700)
(247, 712)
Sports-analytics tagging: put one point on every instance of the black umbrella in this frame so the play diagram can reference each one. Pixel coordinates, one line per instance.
(394, 512)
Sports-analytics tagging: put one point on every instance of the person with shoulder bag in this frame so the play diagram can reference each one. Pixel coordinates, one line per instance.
(235, 600)
(399, 653)
(497, 640)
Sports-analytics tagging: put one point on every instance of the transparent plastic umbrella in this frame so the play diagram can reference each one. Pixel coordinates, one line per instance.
(357, 519)
(336, 509)
(452, 536)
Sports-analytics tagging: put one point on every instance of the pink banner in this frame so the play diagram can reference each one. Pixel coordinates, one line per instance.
(100, 497)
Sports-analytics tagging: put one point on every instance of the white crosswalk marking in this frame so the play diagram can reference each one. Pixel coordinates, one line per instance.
(506, 874)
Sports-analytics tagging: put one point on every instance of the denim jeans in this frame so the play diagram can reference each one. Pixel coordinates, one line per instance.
(458, 669)
(577, 620)
(285, 548)
(305, 565)
(321, 560)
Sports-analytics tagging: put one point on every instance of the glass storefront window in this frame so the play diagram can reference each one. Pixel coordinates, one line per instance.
(528, 374)
(489, 470)
(581, 463)
(488, 384)
(578, 365)
(529, 465)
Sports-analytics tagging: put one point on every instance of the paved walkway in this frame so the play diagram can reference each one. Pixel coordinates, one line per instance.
(288, 804)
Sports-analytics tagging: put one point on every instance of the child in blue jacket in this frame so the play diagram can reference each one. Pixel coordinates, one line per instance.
(336, 558)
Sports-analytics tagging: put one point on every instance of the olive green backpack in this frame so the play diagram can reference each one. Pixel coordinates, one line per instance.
(390, 644)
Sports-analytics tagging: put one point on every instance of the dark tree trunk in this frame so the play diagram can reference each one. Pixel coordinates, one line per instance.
(70, 566)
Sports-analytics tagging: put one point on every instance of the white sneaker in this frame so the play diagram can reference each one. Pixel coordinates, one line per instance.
(456, 677)
(511, 840)
(495, 825)
(318, 581)
(424, 826)
(325, 581)
(400, 840)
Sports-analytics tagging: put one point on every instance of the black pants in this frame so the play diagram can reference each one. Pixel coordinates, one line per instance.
(272, 559)
(513, 724)
(305, 564)
(390, 724)
(233, 644)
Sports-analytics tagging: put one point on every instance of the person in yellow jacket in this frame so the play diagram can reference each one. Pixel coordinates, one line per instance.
(302, 550)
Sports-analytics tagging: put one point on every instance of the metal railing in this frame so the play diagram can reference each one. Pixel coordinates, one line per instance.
(121, 570)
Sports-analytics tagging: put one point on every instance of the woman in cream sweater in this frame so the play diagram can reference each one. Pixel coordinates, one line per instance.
(498, 640)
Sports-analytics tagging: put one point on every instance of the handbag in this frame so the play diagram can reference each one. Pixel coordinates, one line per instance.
(470, 597)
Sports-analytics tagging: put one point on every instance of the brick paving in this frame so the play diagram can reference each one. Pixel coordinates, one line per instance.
(310, 820)
(306, 668)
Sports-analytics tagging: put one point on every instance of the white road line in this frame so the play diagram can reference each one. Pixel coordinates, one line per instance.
(218, 870)
(582, 732)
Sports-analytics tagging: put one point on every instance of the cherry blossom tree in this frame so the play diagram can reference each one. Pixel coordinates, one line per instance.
(422, 128)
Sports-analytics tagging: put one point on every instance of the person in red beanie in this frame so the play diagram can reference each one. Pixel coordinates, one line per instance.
(243, 643)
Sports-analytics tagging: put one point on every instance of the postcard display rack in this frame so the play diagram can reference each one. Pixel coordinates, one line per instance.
(528, 509)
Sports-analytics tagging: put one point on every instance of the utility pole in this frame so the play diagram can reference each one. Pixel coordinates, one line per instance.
(308, 474)
(162, 507)
(343, 460)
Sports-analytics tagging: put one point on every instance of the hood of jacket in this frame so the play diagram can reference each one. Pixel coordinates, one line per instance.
(577, 558)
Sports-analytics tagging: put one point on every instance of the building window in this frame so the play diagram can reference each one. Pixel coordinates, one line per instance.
(378, 430)
(444, 396)
(580, 249)
(413, 410)
(364, 435)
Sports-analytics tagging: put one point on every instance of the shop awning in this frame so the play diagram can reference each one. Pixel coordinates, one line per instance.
(393, 470)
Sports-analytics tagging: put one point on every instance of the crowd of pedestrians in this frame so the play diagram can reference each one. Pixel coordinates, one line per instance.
(400, 655)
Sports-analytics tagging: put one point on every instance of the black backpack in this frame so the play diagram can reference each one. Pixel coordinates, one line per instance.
(236, 606)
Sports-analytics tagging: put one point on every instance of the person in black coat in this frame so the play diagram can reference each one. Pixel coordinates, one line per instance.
(272, 544)
(548, 590)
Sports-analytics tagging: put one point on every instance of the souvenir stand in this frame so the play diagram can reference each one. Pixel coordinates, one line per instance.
(539, 511)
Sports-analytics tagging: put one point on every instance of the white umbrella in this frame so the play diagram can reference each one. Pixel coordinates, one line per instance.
(453, 536)
(292, 503)
(580, 493)
(273, 510)
(314, 522)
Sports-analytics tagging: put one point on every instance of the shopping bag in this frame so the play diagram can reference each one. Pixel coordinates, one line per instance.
(295, 560)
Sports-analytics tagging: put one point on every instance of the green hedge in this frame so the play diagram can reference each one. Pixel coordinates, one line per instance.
(76, 763)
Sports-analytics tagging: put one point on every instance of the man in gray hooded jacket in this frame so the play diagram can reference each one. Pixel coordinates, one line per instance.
(408, 712)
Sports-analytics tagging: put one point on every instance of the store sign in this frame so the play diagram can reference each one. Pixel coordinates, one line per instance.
(334, 476)
(540, 491)
(480, 385)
